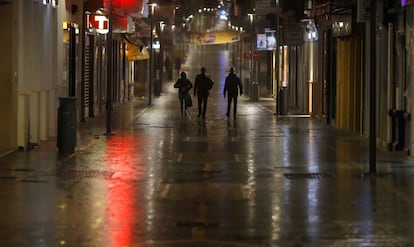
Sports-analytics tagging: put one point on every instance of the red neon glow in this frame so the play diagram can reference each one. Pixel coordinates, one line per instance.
(127, 6)
(120, 24)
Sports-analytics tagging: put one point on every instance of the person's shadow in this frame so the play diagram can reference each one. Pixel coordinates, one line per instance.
(232, 126)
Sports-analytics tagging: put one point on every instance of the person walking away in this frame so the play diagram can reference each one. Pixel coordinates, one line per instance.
(184, 85)
(232, 87)
(202, 85)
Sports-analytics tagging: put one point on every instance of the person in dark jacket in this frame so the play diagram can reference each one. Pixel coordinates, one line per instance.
(202, 86)
(184, 85)
(232, 87)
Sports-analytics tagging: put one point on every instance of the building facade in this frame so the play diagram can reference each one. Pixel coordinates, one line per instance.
(42, 62)
(34, 74)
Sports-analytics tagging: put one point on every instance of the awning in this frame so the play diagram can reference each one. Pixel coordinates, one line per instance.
(143, 27)
(135, 49)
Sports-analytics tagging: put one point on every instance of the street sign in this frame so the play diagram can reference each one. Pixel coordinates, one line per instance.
(99, 22)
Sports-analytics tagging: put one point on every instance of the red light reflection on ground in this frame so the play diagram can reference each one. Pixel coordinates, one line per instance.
(121, 214)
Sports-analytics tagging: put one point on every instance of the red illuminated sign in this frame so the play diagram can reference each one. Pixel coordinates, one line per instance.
(99, 22)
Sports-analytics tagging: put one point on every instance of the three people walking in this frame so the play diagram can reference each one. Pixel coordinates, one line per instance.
(232, 87)
(202, 85)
